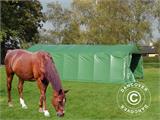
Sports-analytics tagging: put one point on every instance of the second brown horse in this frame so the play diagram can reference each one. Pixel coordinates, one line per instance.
(39, 67)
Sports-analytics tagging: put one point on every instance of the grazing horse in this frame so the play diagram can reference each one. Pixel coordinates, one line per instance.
(38, 67)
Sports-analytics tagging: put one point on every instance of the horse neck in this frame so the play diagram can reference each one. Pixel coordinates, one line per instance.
(53, 77)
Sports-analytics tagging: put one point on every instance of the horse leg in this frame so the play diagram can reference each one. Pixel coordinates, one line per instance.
(41, 97)
(42, 101)
(20, 91)
(46, 113)
(9, 86)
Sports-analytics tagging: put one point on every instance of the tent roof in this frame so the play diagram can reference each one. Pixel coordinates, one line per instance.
(109, 49)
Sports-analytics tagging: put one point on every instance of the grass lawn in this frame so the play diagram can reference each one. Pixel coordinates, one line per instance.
(85, 101)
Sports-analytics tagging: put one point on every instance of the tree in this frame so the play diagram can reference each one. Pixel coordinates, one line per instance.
(157, 46)
(60, 19)
(21, 19)
(114, 21)
(45, 37)
(156, 12)
(72, 34)
(104, 21)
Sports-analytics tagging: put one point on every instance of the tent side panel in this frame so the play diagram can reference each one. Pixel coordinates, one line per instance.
(101, 67)
(70, 67)
(117, 69)
(85, 67)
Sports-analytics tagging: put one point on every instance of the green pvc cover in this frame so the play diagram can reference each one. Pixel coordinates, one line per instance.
(93, 63)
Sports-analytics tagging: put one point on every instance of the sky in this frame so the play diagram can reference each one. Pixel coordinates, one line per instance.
(64, 3)
(67, 3)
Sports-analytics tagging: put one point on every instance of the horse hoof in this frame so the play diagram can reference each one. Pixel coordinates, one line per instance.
(24, 107)
(46, 113)
(10, 104)
(41, 110)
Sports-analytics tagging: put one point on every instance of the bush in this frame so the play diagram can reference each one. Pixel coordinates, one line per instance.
(155, 59)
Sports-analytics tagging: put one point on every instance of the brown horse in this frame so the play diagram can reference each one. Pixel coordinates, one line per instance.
(38, 67)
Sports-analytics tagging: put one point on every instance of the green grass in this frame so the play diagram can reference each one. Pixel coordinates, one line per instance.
(151, 65)
(85, 101)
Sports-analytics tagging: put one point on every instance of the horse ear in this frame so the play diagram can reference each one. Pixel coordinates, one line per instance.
(66, 91)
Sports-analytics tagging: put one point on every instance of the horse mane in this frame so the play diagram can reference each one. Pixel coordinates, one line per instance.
(51, 73)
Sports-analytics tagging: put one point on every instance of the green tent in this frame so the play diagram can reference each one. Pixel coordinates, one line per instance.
(95, 63)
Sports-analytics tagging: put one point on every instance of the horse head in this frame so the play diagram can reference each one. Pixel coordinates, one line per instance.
(59, 101)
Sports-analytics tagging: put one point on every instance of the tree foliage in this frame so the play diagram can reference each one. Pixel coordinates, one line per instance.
(103, 21)
(21, 19)
(157, 46)
(59, 17)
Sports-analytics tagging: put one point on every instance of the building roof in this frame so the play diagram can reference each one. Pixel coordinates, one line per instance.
(147, 50)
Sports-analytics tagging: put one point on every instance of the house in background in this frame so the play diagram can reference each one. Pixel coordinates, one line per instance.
(148, 51)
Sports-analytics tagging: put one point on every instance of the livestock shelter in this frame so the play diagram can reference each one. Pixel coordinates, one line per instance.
(95, 63)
